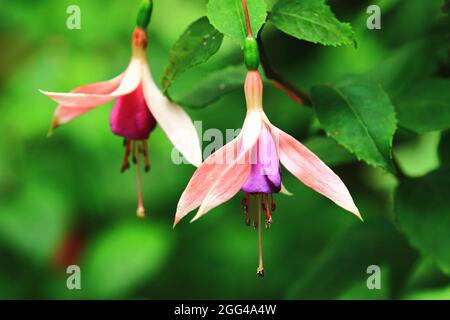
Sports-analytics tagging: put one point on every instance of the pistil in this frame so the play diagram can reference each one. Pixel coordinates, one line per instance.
(260, 270)
(140, 209)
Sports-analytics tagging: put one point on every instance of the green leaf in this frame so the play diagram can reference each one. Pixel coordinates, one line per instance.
(329, 151)
(214, 86)
(425, 106)
(430, 294)
(311, 20)
(123, 259)
(34, 223)
(444, 149)
(358, 114)
(422, 206)
(228, 17)
(195, 46)
(344, 262)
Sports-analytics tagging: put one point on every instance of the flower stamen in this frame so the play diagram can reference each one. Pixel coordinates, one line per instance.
(126, 163)
(266, 206)
(134, 151)
(146, 158)
(246, 204)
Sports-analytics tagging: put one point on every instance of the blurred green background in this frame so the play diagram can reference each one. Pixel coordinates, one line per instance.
(64, 201)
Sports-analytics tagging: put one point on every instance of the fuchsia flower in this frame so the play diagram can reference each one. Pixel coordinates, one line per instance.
(139, 106)
(251, 163)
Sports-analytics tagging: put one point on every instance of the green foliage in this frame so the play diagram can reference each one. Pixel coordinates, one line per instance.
(34, 224)
(195, 46)
(423, 214)
(52, 189)
(228, 17)
(329, 151)
(214, 86)
(358, 114)
(430, 294)
(311, 20)
(425, 106)
(344, 262)
(124, 258)
(444, 149)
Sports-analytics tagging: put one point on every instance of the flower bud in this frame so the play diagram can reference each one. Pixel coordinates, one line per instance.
(144, 14)
(251, 53)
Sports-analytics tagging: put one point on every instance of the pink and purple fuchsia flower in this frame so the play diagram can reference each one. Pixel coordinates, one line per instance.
(251, 164)
(139, 106)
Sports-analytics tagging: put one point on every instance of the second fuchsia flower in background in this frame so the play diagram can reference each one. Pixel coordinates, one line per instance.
(139, 106)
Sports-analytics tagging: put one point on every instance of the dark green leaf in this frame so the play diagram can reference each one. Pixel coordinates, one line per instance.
(195, 46)
(425, 106)
(358, 114)
(213, 87)
(228, 17)
(123, 259)
(311, 20)
(329, 151)
(345, 261)
(423, 213)
(444, 149)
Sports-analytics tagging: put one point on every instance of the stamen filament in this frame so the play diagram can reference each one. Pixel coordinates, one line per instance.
(146, 158)
(126, 163)
(268, 216)
(134, 151)
(246, 207)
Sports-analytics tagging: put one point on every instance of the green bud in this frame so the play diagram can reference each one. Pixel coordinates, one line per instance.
(251, 53)
(144, 14)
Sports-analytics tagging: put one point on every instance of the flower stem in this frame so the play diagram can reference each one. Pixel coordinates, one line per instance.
(247, 19)
(296, 94)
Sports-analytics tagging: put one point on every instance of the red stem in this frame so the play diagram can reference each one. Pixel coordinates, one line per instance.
(247, 19)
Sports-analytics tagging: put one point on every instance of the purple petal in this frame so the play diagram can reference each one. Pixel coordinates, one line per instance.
(265, 176)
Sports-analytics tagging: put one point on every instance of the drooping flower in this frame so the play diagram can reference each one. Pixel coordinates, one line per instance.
(251, 163)
(139, 106)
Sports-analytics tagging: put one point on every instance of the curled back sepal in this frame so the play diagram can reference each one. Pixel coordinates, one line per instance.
(144, 14)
